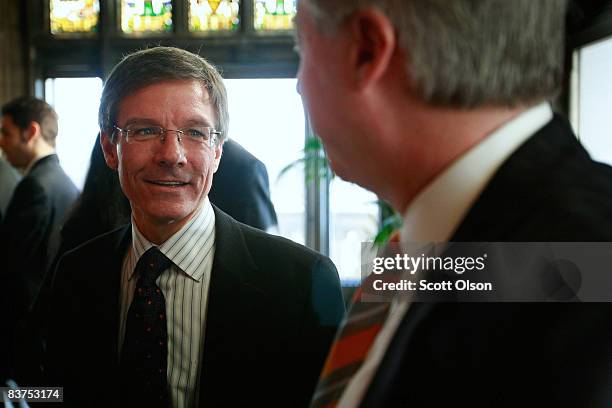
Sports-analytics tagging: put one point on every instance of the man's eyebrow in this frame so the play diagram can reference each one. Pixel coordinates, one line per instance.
(146, 121)
(149, 121)
(197, 121)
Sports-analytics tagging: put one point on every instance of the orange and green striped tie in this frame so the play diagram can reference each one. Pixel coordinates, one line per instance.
(350, 348)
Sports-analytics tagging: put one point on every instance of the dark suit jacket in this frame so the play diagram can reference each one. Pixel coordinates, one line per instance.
(240, 188)
(9, 177)
(28, 234)
(273, 308)
(28, 240)
(514, 354)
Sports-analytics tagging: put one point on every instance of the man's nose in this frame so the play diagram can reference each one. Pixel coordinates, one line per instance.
(170, 150)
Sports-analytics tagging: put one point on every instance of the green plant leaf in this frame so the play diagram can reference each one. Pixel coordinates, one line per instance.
(313, 144)
(290, 166)
(316, 165)
(389, 225)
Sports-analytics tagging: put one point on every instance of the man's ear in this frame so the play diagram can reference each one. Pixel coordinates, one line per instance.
(218, 154)
(29, 133)
(110, 150)
(373, 43)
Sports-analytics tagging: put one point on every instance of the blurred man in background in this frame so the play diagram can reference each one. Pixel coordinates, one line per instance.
(241, 188)
(29, 230)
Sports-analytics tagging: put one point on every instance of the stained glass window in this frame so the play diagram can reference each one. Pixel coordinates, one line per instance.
(274, 14)
(74, 16)
(214, 15)
(139, 16)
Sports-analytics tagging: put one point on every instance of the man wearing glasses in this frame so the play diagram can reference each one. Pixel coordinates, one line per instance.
(185, 307)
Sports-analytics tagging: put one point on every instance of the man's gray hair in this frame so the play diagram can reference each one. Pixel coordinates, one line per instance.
(150, 66)
(470, 53)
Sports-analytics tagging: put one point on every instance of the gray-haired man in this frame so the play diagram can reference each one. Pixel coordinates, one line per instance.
(186, 307)
(441, 108)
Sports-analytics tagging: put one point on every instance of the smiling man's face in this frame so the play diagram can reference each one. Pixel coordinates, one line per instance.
(165, 181)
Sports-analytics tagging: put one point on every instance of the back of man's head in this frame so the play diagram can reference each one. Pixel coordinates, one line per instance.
(25, 110)
(471, 53)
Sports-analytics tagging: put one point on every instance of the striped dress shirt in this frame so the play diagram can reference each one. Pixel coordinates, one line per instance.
(185, 287)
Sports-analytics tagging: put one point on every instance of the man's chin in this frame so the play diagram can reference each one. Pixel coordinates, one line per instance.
(362, 179)
(171, 218)
(344, 172)
(167, 216)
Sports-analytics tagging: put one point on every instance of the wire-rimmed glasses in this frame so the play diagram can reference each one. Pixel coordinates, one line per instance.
(193, 135)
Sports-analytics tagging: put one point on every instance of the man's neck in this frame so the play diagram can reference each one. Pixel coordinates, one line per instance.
(427, 140)
(38, 153)
(158, 232)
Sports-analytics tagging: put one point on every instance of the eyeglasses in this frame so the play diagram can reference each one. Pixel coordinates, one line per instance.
(193, 135)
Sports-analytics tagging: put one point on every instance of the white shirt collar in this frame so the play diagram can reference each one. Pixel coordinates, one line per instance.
(186, 246)
(439, 208)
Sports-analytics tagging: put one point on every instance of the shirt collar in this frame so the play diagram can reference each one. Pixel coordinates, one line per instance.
(195, 238)
(439, 208)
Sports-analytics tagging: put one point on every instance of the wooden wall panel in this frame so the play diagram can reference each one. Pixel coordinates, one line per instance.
(13, 74)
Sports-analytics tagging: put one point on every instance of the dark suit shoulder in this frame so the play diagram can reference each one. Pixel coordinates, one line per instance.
(270, 242)
(52, 177)
(571, 203)
(87, 256)
(45, 190)
(548, 190)
(236, 163)
(279, 252)
(281, 267)
(295, 269)
(99, 245)
(237, 156)
(241, 189)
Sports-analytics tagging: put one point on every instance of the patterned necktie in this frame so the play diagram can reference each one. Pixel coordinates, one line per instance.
(351, 346)
(145, 350)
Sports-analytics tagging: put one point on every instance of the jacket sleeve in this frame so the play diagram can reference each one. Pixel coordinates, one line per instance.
(23, 249)
(324, 313)
(261, 213)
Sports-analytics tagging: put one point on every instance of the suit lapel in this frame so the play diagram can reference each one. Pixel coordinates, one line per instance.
(234, 299)
(106, 309)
